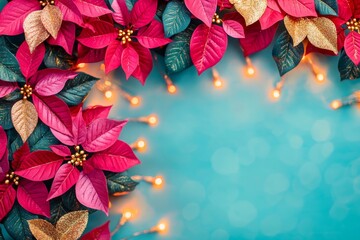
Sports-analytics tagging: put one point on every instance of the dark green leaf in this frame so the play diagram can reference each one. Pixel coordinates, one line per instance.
(118, 183)
(16, 224)
(176, 18)
(14, 142)
(56, 57)
(5, 114)
(327, 7)
(57, 210)
(9, 66)
(177, 54)
(2, 4)
(71, 203)
(13, 97)
(347, 69)
(130, 4)
(41, 138)
(286, 56)
(76, 90)
(1, 235)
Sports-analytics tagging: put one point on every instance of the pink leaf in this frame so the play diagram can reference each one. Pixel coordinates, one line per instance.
(299, 8)
(89, 55)
(145, 63)
(56, 114)
(118, 158)
(143, 12)
(4, 165)
(79, 128)
(346, 9)
(352, 47)
(104, 33)
(70, 12)
(92, 8)
(13, 15)
(113, 56)
(30, 62)
(32, 197)
(61, 150)
(207, 46)
(65, 37)
(129, 60)
(223, 4)
(40, 166)
(7, 88)
(65, 178)
(99, 233)
(101, 134)
(95, 112)
(3, 141)
(51, 81)
(271, 15)
(202, 9)
(19, 155)
(153, 35)
(121, 13)
(7, 199)
(232, 27)
(91, 190)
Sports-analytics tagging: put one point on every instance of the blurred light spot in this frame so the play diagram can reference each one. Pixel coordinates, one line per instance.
(321, 130)
(225, 161)
(271, 225)
(191, 211)
(338, 211)
(242, 213)
(296, 142)
(220, 234)
(192, 191)
(276, 183)
(309, 174)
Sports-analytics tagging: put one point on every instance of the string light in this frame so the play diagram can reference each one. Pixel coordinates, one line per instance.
(134, 101)
(217, 81)
(276, 92)
(319, 77)
(347, 101)
(160, 228)
(152, 120)
(81, 65)
(171, 88)
(139, 145)
(125, 217)
(250, 70)
(108, 94)
(157, 181)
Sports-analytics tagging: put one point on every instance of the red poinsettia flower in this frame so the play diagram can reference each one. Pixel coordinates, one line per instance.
(31, 195)
(128, 45)
(94, 148)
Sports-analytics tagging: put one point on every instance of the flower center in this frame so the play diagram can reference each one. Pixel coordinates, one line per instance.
(11, 178)
(125, 35)
(78, 157)
(216, 19)
(353, 24)
(43, 3)
(26, 91)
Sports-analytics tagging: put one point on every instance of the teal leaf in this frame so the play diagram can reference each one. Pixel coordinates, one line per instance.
(286, 56)
(2, 5)
(9, 66)
(56, 57)
(77, 89)
(57, 210)
(13, 97)
(14, 141)
(347, 69)
(118, 183)
(1, 235)
(70, 202)
(41, 138)
(5, 114)
(16, 224)
(177, 54)
(176, 18)
(327, 7)
(130, 4)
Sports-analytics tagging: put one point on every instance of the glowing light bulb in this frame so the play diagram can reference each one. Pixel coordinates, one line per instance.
(135, 101)
(161, 227)
(218, 83)
(171, 89)
(107, 83)
(152, 120)
(276, 93)
(335, 104)
(108, 94)
(250, 70)
(320, 77)
(102, 67)
(141, 144)
(128, 215)
(158, 181)
(81, 65)
(303, 58)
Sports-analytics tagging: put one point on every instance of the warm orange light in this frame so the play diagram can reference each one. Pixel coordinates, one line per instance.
(108, 94)
(250, 70)
(320, 77)
(171, 89)
(303, 58)
(107, 83)
(110, 205)
(153, 120)
(161, 227)
(140, 144)
(218, 83)
(81, 65)
(158, 181)
(335, 104)
(127, 215)
(276, 93)
(135, 101)
(102, 67)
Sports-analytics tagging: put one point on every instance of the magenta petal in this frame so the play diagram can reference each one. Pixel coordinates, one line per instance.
(95, 112)
(13, 14)
(224, 4)
(70, 12)
(153, 35)
(30, 62)
(51, 81)
(65, 37)
(113, 56)
(101, 134)
(99, 233)
(299, 8)
(352, 47)
(145, 63)
(61, 150)
(143, 12)
(121, 13)
(19, 155)
(233, 28)
(129, 60)
(32, 197)
(202, 9)
(92, 8)
(79, 128)
(118, 158)
(104, 33)
(65, 178)
(89, 55)
(7, 88)
(272, 15)
(7, 199)
(40, 166)
(91, 190)
(4, 165)
(3, 141)
(207, 46)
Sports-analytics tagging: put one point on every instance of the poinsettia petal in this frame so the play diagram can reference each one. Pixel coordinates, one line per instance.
(30, 62)
(7, 199)
(51, 81)
(299, 8)
(95, 112)
(79, 128)
(223, 4)
(70, 12)
(121, 13)
(145, 63)
(32, 197)
(13, 14)
(99, 233)
(271, 15)
(91, 190)
(233, 28)
(129, 60)
(346, 9)
(19, 155)
(143, 12)
(7, 88)
(65, 37)
(202, 9)
(101, 134)
(4, 165)
(113, 56)
(61, 150)
(104, 33)
(40, 165)
(352, 47)
(3, 141)
(152, 36)
(65, 178)
(207, 46)
(89, 55)
(92, 8)
(118, 158)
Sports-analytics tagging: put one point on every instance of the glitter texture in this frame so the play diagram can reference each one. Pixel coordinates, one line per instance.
(72, 225)
(51, 18)
(296, 28)
(35, 32)
(251, 10)
(42, 230)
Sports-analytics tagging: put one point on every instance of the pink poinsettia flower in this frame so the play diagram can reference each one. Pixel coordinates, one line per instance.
(127, 45)
(92, 148)
(31, 195)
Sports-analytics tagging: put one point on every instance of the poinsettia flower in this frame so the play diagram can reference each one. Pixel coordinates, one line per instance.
(272, 15)
(92, 148)
(128, 45)
(31, 195)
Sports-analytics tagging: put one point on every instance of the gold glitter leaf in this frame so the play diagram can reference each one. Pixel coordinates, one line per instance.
(51, 18)
(322, 33)
(35, 32)
(72, 225)
(251, 10)
(296, 28)
(42, 230)
(24, 118)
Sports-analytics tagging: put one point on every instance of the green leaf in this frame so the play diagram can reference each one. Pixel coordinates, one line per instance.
(13, 97)
(1, 235)
(77, 89)
(177, 54)
(56, 57)
(327, 7)
(14, 142)
(57, 210)
(9, 66)
(347, 69)
(118, 183)
(176, 18)
(5, 114)
(16, 224)
(2, 5)
(41, 138)
(130, 4)
(286, 56)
